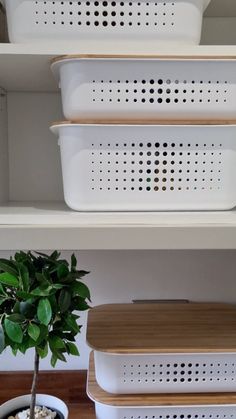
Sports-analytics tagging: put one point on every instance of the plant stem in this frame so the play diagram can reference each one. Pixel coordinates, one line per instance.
(34, 385)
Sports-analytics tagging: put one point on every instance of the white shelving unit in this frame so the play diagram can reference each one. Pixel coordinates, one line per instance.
(32, 212)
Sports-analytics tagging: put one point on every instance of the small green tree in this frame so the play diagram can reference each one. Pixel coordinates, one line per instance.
(39, 298)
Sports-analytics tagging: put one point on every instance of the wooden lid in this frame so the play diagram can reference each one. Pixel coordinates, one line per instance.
(146, 122)
(98, 395)
(162, 328)
(140, 57)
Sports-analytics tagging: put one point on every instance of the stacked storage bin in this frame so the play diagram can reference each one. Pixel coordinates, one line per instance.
(138, 25)
(136, 164)
(131, 149)
(163, 361)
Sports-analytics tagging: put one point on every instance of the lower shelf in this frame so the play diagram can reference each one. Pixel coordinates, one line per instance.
(50, 225)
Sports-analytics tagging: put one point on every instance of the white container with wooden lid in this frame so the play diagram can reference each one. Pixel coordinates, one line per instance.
(159, 406)
(138, 25)
(141, 87)
(148, 167)
(164, 348)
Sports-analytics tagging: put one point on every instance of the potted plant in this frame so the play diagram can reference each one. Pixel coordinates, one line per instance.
(39, 298)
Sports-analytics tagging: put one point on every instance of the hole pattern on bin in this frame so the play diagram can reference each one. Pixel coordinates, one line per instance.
(178, 373)
(155, 165)
(159, 15)
(159, 92)
(185, 413)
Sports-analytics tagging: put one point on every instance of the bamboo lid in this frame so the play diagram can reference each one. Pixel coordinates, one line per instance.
(63, 58)
(96, 394)
(162, 328)
(167, 122)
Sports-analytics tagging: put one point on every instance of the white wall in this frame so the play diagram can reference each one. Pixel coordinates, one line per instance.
(34, 156)
(121, 276)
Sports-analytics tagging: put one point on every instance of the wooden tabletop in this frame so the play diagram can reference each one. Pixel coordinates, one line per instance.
(95, 393)
(162, 328)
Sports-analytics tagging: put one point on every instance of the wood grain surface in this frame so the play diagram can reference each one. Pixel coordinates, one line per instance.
(146, 122)
(99, 395)
(140, 57)
(162, 328)
(70, 386)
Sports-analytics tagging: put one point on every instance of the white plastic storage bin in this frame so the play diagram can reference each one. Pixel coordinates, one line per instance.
(128, 24)
(165, 348)
(147, 88)
(166, 373)
(104, 411)
(204, 406)
(148, 167)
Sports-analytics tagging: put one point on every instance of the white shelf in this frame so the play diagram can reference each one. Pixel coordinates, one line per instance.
(41, 225)
(27, 67)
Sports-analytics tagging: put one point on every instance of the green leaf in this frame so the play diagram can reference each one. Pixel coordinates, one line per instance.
(55, 342)
(16, 318)
(16, 308)
(44, 311)
(27, 343)
(24, 277)
(72, 349)
(58, 286)
(55, 255)
(9, 279)
(81, 289)
(53, 302)
(33, 331)
(24, 295)
(80, 304)
(62, 271)
(2, 291)
(13, 331)
(2, 340)
(69, 336)
(64, 300)
(41, 279)
(60, 355)
(68, 279)
(43, 351)
(54, 360)
(27, 309)
(43, 334)
(8, 266)
(75, 275)
(41, 291)
(81, 274)
(73, 262)
(71, 323)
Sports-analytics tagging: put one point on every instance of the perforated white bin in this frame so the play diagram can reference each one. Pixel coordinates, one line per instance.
(166, 373)
(148, 167)
(160, 406)
(128, 24)
(147, 88)
(164, 348)
(104, 411)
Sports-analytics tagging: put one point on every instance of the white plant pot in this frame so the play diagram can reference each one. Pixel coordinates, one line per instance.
(41, 399)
